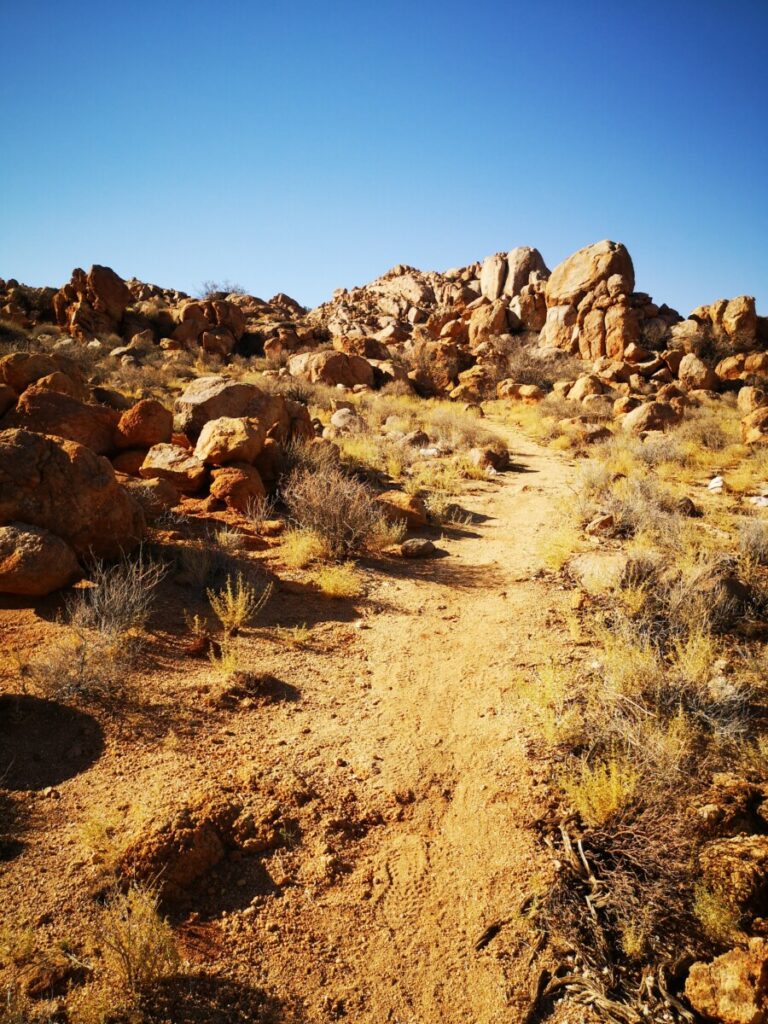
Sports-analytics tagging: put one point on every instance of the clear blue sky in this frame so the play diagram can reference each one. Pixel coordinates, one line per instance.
(304, 146)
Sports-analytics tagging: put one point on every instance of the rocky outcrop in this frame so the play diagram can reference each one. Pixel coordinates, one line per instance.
(51, 412)
(92, 304)
(70, 491)
(733, 988)
(593, 310)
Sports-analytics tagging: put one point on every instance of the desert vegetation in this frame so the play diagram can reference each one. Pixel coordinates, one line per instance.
(316, 621)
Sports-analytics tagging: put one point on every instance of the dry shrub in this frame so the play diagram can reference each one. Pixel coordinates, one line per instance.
(336, 507)
(121, 597)
(753, 540)
(137, 944)
(541, 367)
(238, 603)
(601, 789)
(300, 547)
(339, 581)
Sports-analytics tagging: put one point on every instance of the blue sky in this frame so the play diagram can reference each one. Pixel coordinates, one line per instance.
(306, 146)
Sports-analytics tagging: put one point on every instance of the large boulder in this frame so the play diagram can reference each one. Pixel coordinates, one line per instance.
(733, 988)
(34, 562)
(332, 368)
(238, 485)
(20, 369)
(397, 506)
(523, 264)
(587, 269)
(67, 489)
(177, 465)
(230, 439)
(488, 320)
(754, 426)
(145, 424)
(650, 416)
(51, 412)
(492, 275)
(695, 374)
(209, 398)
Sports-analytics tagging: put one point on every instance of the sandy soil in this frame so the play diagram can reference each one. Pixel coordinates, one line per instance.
(395, 749)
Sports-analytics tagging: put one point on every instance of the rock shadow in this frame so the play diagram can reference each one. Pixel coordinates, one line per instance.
(43, 743)
(209, 999)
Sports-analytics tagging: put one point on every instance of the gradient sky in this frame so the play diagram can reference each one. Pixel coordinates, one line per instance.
(305, 146)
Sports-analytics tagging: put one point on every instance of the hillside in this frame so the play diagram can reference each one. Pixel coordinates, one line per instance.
(401, 659)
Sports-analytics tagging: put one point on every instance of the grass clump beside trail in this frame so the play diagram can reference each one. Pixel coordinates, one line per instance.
(666, 701)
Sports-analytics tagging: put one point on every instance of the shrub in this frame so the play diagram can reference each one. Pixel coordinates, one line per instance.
(339, 581)
(300, 547)
(137, 944)
(753, 540)
(237, 603)
(336, 507)
(220, 289)
(599, 791)
(121, 597)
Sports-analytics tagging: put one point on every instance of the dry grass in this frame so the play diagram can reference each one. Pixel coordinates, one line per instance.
(136, 943)
(238, 603)
(334, 506)
(300, 547)
(339, 581)
(600, 790)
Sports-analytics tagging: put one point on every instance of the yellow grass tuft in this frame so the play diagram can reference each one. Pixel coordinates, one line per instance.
(338, 581)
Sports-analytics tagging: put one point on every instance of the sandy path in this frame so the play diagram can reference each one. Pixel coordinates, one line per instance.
(443, 728)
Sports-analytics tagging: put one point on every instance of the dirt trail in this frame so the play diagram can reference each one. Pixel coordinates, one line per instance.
(442, 727)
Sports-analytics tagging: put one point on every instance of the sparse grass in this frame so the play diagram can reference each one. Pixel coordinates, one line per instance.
(600, 790)
(300, 547)
(386, 535)
(137, 944)
(559, 545)
(339, 581)
(237, 603)
(753, 540)
(293, 636)
(227, 657)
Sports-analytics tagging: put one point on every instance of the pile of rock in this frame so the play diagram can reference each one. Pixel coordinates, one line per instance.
(78, 476)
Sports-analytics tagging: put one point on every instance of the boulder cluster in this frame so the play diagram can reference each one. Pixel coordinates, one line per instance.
(79, 476)
(454, 334)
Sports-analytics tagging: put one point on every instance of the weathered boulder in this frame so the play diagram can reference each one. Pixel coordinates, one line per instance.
(737, 867)
(230, 439)
(20, 369)
(67, 489)
(210, 398)
(588, 268)
(650, 416)
(523, 263)
(695, 374)
(332, 368)
(177, 465)
(34, 562)
(130, 461)
(143, 425)
(52, 412)
(733, 988)
(7, 399)
(397, 506)
(749, 399)
(754, 426)
(92, 303)
(238, 485)
(560, 330)
(492, 275)
(488, 320)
